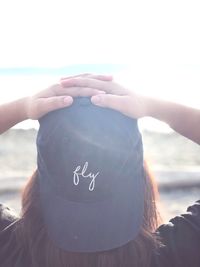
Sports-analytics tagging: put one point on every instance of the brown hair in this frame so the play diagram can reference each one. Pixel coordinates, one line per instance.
(31, 234)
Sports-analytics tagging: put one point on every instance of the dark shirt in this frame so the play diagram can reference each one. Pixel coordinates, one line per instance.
(181, 239)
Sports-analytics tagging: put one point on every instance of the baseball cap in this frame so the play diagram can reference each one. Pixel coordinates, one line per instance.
(91, 177)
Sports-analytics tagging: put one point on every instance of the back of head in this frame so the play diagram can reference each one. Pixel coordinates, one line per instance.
(91, 181)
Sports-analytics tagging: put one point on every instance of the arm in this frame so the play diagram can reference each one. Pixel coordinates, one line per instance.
(182, 119)
(36, 106)
(11, 114)
(33, 107)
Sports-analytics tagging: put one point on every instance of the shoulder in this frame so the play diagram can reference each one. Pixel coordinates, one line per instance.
(181, 238)
(187, 224)
(7, 217)
(11, 251)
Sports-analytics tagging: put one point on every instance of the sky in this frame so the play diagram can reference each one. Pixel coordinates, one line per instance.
(55, 33)
(156, 41)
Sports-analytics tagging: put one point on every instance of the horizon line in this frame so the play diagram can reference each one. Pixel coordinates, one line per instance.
(69, 69)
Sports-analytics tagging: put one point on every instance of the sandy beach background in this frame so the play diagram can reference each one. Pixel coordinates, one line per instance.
(173, 159)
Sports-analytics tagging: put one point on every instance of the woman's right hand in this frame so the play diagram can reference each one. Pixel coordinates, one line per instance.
(117, 97)
(184, 120)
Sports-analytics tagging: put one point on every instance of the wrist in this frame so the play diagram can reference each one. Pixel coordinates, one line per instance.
(149, 106)
(22, 107)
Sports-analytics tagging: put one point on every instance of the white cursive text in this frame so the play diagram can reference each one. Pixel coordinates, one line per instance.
(82, 173)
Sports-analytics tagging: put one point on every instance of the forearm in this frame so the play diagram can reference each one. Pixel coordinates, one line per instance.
(184, 120)
(12, 113)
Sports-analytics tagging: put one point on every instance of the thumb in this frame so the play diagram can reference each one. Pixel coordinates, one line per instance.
(46, 105)
(119, 103)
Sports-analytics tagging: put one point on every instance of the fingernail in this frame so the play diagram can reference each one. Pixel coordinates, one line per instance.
(67, 100)
(96, 99)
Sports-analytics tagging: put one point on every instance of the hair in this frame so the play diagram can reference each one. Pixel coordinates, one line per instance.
(31, 234)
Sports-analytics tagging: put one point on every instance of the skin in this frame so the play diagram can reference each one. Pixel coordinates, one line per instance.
(105, 93)
(36, 106)
(182, 119)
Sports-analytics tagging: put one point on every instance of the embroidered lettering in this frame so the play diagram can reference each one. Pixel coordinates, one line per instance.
(82, 173)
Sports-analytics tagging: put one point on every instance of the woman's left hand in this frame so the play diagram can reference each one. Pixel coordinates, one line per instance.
(56, 97)
(36, 106)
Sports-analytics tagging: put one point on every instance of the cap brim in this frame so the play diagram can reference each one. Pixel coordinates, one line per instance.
(93, 227)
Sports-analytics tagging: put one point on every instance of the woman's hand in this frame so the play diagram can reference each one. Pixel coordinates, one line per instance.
(117, 97)
(57, 96)
(184, 120)
(34, 107)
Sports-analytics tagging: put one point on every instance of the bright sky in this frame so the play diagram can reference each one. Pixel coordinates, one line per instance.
(49, 33)
(159, 40)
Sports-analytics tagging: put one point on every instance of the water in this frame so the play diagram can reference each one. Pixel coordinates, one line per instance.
(176, 172)
(169, 155)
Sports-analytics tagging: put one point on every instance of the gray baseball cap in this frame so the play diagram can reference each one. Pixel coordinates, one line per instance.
(91, 176)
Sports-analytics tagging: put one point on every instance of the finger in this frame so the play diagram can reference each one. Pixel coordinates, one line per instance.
(82, 82)
(46, 105)
(91, 76)
(86, 82)
(108, 87)
(101, 77)
(76, 91)
(119, 103)
(75, 76)
(79, 91)
(50, 91)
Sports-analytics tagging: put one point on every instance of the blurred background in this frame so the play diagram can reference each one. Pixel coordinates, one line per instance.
(152, 47)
